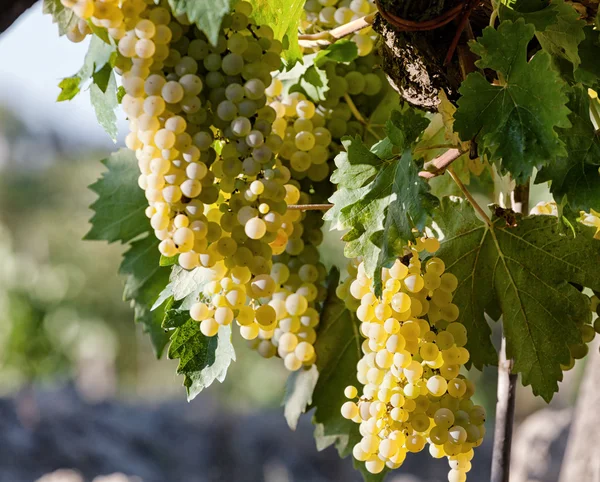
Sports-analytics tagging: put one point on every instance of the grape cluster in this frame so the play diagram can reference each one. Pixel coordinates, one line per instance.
(225, 213)
(413, 350)
(328, 14)
(306, 140)
(591, 219)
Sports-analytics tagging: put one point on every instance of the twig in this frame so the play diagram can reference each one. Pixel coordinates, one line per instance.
(359, 116)
(464, 20)
(327, 37)
(10, 11)
(469, 197)
(310, 207)
(505, 413)
(507, 381)
(439, 165)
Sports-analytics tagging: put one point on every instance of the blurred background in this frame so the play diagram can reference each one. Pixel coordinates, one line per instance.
(83, 397)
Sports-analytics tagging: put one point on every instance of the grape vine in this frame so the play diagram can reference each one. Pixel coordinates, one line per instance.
(253, 125)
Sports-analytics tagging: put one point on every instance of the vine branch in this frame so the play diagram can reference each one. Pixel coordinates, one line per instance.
(359, 117)
(469, 197)
(327, 37)
(11, 10)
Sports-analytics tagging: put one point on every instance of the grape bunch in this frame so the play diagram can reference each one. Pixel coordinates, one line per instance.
(413, 350)
(306, 140)
(225, 213)
(328, 14)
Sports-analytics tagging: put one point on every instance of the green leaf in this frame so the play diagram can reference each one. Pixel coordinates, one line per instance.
(168, 261)
(558, 26)
(184, 284)
(576, 176)
(206, 15)
(298, 394)
(527, 272)
(202, 359)
(380, 201)
(69, 88)
(314, 83)
(104, 104)
(588, 72)
(119, 210)
(526, 6)
(120, 93)
(283, 16)
(342, 51)
(96, 68)
(514, 122)
(306, 78)
(404, 127)
(145, 280)
(563, 38)
(338, 351)
(102, 77)
(63, 17)
(174, 318)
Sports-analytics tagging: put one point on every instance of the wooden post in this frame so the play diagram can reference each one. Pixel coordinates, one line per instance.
(507, 381)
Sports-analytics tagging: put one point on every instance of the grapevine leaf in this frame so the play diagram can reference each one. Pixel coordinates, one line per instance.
(119, 216)
(202, 359)
(380, 201)
(514, 122)
(314, 83)
(298, 394)
(96, 68)
(283, 17)
(588, 72)
(403, 127)
(527, 272)
(145, 280)
(120, 93)
(342, 51)
(558, 28)
(174, 317)
(119, 209)
(102, 77)
(184, 284)
(104, 104)
(562, 38)
(63, 17)
(69, 88)
(338, 351)
(168, 260)
(528, 6)
(576, 175)
(306, 78)
(206, 15)
(541, 17)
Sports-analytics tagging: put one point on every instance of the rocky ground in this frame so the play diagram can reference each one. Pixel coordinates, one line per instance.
(180, 442)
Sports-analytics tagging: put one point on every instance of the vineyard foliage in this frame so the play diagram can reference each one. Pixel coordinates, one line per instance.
(241, 113)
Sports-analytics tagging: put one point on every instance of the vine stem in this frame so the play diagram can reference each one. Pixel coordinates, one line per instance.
(359, 117)
(327, 37)
(469, 197)
(507, 380)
